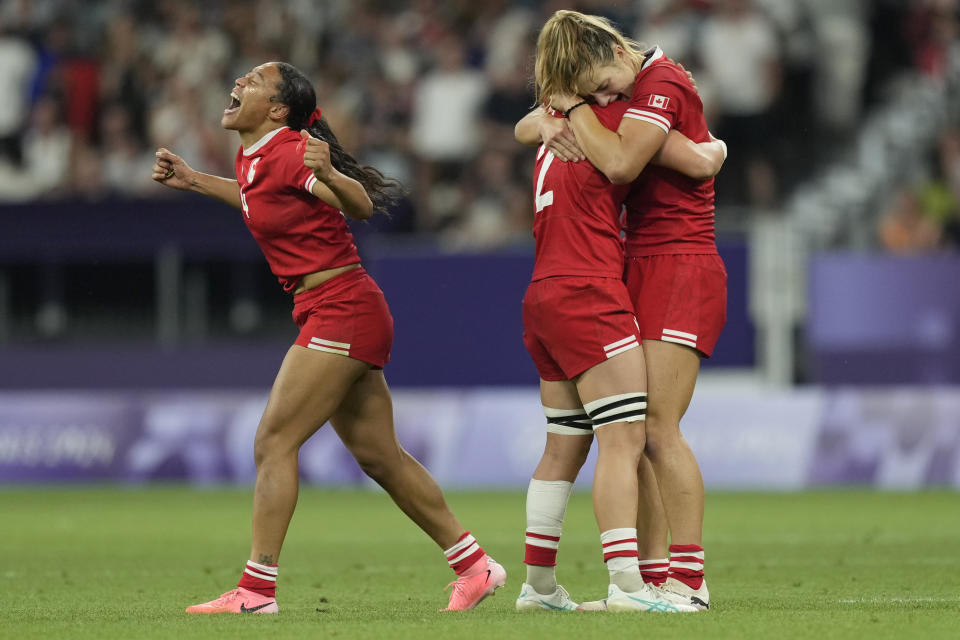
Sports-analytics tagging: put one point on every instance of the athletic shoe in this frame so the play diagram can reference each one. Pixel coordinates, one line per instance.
(239, 600)
(531, 600)
(470, 590)
(593, 605)
(645, 599)
(700, 598)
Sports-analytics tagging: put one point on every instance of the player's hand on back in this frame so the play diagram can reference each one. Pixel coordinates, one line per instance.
(689, 77)
(316, 156)
(171, 171)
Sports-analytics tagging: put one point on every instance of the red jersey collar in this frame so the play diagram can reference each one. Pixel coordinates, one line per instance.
(259, 144)
(650, 56)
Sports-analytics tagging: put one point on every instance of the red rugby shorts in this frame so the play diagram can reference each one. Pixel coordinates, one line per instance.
(346, 315)
(679, 298)
(573, 323)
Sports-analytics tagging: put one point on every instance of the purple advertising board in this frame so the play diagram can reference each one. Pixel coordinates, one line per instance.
(744, 438)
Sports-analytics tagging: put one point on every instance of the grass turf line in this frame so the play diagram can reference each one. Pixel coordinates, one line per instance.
(123, 563)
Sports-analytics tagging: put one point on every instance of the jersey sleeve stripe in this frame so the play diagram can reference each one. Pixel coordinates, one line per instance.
(660, 124)
(651, 114)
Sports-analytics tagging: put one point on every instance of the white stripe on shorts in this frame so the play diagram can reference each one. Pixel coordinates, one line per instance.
(331, 343)
(612, 349)
(318, 347)
(339, 348)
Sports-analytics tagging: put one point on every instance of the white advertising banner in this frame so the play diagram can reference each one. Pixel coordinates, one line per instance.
(744, 438)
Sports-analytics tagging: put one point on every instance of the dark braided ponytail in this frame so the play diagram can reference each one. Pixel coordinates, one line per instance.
(297, 93)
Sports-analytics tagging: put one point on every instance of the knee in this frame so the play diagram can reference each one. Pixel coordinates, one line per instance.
(271, 445)
(662, 434)
(265, 447)
(569, 458)
(625, 439)
(378, 464)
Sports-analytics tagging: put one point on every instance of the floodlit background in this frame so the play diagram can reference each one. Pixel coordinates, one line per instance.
(140, 328)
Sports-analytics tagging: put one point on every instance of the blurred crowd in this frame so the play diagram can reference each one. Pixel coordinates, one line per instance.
(924, 215)
(429, 90)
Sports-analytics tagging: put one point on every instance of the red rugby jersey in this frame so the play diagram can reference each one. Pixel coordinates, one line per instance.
(297, 232)
(577, 219)
(667, 212)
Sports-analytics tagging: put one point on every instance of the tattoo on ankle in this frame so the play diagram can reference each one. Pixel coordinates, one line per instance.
(266, 559)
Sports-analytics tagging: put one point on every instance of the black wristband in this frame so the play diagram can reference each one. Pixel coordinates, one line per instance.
(566, 114)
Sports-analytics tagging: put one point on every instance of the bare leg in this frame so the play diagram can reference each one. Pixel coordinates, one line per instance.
(620, 444)
(364, 422)
(673, 372)
(652, 541)
(563, 454)
(297, 408)
(549, 493)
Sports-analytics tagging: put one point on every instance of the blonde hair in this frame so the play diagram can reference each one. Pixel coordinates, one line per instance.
(572, 43)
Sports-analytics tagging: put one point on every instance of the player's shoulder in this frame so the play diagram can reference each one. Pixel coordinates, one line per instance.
(277, 143)
(611, 115)
(286, 140)
(658, 68)
(285, 150)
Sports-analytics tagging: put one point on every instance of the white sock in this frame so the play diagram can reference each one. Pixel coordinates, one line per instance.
(546, 506)
(620, 554)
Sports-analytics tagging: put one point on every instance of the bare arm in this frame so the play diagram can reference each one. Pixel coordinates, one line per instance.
(695, 160)
(540, 127)
(171, 171)
(622, 154)
(333, 187)
(527, 131)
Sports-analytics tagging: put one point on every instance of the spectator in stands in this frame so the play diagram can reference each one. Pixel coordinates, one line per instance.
(445, 131)
(18, 64)
(47, 148)
(905, 227)
(378, 59)
(949, 158)
(932, 30)
(672, 26)
(741, 58)
(126, 164)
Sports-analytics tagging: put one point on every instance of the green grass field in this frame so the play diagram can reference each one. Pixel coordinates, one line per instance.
(115, 563)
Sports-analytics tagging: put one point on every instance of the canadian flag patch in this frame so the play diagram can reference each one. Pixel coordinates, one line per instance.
(658, 102)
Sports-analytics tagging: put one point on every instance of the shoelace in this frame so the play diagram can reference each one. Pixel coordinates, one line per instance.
(562, 593)
(227, 597)
(459, 586)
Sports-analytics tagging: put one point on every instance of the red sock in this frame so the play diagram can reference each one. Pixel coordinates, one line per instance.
(655, 571)
(686, 564)
(464, 553)
(261, 578)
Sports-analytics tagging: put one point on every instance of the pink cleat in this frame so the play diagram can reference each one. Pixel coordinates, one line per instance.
(239, 600)
(470, 589)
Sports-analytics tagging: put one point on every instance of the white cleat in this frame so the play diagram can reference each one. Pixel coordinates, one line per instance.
(593, 605)
(530, 600)
(645, 599)
(699, 598)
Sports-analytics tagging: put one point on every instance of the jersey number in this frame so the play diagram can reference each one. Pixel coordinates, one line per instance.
(544, 199)
(252, 171)
(243, 203)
